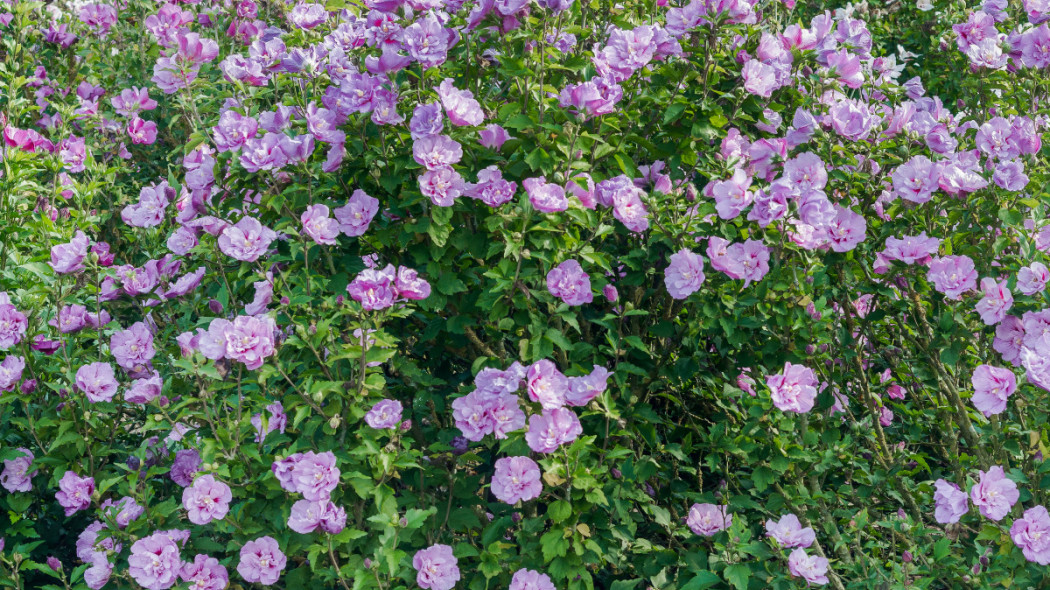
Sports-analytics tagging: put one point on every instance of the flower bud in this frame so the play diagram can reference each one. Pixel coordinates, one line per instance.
(215, 306)
(334, 422)
(28, 386)
(907, 557)
(54, 563)
(406, 426)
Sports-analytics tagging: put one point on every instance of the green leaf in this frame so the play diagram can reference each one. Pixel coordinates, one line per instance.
(559, 511)
(738, 575)
(702, 580)
(942, 548)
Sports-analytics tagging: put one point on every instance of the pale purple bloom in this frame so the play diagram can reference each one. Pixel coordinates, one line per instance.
(145, 390)
(436, 568)
(316, 475)
(759, 79)
(69, 257)
(16, 476)
(992, 386)
(953, 275)
(996, 301)
(546, 197)
(708, 519)
(491, 188)
(911, 249)
(442, 186)
(788, 531)
(206, 500)
(916, 179)
(374, 289)
(460, 105)
(154, 562)
(812, 568)
(1032, 279)
(384, 414)
(319, 226)
(355, 217)
(182, 240)
(204, 573)
(570, 283)
(685, 274)
(246, 240)
(493, 136)
(427, 120)
(794, 389)
(133, 348)
(846, 230)
(277, 421)
(307, 16)
(1031, 533)
(409, 285)
(261, 561)
(124, 511)
(547, 385)
(97, 382)
(525, 579)
(436, 151)
(731, 196)
(583, 389)
(74, 492)
(98, 574)
(427, 41)
(994, 494)
(150, 208)
(516, 478)
(11, 372)
(950, 502)
(551, 429)
(1010, 175)
(852, 119)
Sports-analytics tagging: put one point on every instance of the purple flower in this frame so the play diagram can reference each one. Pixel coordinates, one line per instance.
(132, 100)
(460, 105)
(852, 119)
(410, 286)
(319, 226)
(788, 531)
(1032, 279)
(794, 389)
(436, 568)
(911, 249)
(204, 573)
(845, 230)
(133, 348)
(307, 16)
(583, 389)
(185, 467)
(996, 301)
(994, 494)
(427, 41)
(69, 257)
(98, 574)
(124, 511)
(491, 188)
(11, 372)
(206, 500)
(150, 208)
(570, 283)
(812, 568)
(246, 240)
(97, 382)
(1031, 534)
(684, 275)
(316, 475)
(992, 386)
(708, 519)
(544, 196)
(732, 196)
(953, 275)
(759, 79)
(493, 136)
(1009, 175)
(74, 492)
(261, 561)
(374, 289)
(355, 217)
(525, 579)
(384, 414)
(436, 151)
(442, 186)
(547, 385)
(427, 120)
(277, 421)
(950, 503)
(143, 391)
(488, 412)
(16, 476)
(551, 429)
(516, 478)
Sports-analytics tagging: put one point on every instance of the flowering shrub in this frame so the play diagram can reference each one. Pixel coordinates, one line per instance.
(573, 294)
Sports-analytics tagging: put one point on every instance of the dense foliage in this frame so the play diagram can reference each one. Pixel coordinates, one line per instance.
(570, 294)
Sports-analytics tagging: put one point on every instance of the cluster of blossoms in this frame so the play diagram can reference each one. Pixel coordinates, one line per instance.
(315, 476)
(377, 289)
